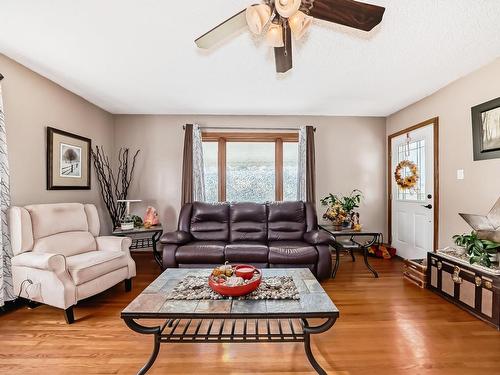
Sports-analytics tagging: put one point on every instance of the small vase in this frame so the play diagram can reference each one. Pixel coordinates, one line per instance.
(337, 226)
(127, 225)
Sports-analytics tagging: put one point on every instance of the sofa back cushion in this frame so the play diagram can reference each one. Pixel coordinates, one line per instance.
(248, 222)
(67, 243)
(286, 221)
(210, 221)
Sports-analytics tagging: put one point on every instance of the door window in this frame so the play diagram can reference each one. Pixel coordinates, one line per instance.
(413, 151)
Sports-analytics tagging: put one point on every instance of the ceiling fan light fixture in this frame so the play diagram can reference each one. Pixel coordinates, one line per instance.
(299, 23)
(274, 36)
(257, 17)
(287, 8)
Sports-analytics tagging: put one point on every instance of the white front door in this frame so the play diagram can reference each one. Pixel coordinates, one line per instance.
(413, 209)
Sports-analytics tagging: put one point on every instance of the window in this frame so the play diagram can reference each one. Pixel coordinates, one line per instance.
(415, 152)
(250, 167)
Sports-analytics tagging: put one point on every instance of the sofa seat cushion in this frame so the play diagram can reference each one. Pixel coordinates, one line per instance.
(201, 252)
(249, 252)
(93, 264)
(292, 252)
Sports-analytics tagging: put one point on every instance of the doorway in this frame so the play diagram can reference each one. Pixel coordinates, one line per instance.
(413, 212)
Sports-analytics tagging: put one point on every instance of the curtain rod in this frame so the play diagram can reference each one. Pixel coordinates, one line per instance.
(242, 128)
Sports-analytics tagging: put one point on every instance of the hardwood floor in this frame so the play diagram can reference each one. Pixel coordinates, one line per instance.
(386, 326)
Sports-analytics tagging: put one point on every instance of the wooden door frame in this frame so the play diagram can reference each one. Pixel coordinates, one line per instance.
(435, 124)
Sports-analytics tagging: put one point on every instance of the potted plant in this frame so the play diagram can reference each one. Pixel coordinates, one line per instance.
(127, 222)
(480, 251)
(340, 207)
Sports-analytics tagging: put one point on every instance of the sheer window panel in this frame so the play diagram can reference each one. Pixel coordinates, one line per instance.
(210, 167)
(290, 170)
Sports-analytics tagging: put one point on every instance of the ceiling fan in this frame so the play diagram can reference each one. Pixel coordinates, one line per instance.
(278, 20)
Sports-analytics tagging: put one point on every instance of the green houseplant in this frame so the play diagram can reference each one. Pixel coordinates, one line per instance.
(340, 207)
(480, 251)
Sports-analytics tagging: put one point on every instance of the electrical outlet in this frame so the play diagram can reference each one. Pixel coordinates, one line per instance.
(460, 174)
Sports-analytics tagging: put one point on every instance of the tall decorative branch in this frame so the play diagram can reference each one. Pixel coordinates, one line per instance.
(114, 186)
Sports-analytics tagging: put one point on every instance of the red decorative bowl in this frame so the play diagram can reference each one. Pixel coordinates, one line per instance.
(244, 271)
(235, 291)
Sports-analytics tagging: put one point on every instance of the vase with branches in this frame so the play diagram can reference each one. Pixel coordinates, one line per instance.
(114, 186)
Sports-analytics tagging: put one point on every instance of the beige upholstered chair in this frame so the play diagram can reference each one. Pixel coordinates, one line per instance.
(59, 258)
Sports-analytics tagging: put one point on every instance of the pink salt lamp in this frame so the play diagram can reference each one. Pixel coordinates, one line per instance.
(151, 216)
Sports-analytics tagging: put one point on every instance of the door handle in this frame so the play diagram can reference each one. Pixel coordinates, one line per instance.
(429, 206)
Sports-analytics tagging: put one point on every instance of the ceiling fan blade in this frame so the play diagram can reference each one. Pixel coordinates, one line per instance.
(222, 31)
(283, 55)
(348, 12)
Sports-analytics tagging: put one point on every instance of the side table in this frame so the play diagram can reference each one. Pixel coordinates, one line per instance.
(143, 238)
(352, 244)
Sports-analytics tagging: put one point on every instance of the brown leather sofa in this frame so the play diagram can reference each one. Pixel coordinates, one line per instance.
(277, 234)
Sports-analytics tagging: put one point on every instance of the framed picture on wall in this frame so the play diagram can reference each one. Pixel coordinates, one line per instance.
(68, 161)
(486, 130)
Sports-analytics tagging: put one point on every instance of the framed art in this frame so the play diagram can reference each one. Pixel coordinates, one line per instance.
(68, 161)
(486, 130)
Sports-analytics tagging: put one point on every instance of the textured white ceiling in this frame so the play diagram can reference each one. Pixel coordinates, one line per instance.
(139, 56)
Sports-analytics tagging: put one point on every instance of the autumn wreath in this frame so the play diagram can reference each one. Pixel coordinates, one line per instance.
(409, 181)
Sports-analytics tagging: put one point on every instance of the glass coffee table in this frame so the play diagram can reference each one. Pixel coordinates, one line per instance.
(231, 320)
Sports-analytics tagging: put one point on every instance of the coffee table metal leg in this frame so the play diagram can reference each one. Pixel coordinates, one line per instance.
(307, 341)
(365, 256)
(155, 331)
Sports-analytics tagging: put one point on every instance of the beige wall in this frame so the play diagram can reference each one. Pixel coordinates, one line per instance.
(480, 189)
(31, 103)
(350, 153)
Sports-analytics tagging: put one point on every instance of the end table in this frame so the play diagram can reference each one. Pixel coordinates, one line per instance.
(352, 244)
(143, 238)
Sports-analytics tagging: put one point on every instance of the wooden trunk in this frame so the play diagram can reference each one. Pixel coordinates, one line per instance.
(472, 289)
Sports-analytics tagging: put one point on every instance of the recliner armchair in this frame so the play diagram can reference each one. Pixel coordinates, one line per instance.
(60, 258)
(274, 234)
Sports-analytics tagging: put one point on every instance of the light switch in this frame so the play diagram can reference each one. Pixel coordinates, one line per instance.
(460, 174)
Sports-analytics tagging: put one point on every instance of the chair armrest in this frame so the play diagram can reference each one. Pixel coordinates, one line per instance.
(42, 261)
(176, 238)
(318, 237)
(113, 243)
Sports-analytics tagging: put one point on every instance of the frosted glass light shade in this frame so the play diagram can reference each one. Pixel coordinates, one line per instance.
(299, 23)
(274, 36)
(287, 8)
(257, 17)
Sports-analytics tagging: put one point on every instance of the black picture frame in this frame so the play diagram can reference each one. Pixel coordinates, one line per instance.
(480, 151)
(79, 183)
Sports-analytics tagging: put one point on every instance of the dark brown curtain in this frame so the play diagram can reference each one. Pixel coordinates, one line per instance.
(310, 166)
(187, 166)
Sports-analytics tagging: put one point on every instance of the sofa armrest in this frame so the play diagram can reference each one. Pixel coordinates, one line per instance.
(318, 237)
(42, 261)
(113, 243)
(176, 238)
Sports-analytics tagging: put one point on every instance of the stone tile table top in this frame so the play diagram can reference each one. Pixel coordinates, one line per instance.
(153, 302)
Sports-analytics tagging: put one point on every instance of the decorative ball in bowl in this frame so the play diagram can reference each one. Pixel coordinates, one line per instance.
(235, 281)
